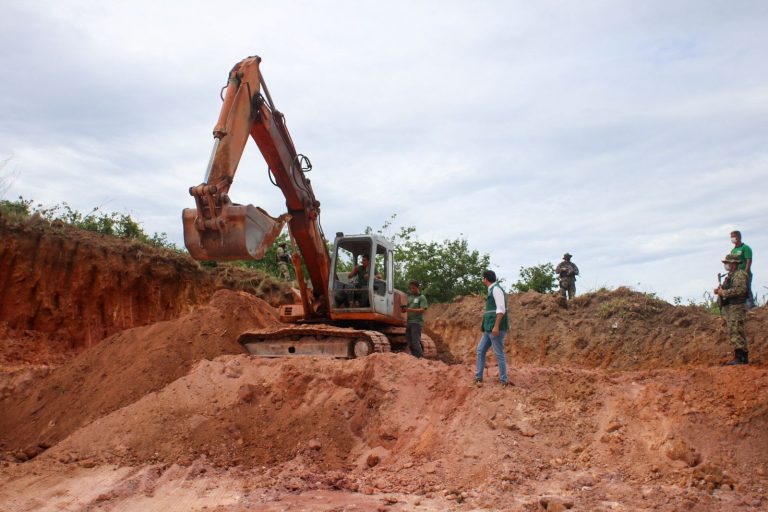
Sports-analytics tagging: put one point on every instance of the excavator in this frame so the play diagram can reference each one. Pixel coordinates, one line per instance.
(349, 307)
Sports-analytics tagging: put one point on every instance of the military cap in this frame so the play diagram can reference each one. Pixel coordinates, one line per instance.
(567, 255)
(732, 258)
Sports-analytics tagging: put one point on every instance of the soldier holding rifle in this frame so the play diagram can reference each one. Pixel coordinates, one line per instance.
(732, 294)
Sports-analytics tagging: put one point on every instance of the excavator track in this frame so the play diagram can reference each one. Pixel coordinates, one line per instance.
(314, 340)
(398, 342)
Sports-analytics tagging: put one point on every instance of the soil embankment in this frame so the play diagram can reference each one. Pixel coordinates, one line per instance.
(77, 287)
(620, 329)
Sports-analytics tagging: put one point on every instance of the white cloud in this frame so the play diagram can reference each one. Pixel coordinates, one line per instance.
(628, 134)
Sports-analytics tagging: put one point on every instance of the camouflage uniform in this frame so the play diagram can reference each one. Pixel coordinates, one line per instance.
(734, 310)
(567, 272)
(282, 263)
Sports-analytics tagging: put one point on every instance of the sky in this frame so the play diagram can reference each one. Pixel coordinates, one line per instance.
(632, 134)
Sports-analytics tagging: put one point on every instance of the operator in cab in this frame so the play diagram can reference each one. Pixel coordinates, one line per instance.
(361, 273)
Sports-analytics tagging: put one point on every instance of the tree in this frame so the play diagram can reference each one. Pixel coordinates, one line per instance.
(445, 269)
(539, 278)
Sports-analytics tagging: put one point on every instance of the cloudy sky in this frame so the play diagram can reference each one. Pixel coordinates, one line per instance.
(633, 134)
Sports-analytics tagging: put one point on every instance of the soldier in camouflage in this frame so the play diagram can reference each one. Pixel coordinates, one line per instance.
(567, 272)
(283, 258)
(733, 293)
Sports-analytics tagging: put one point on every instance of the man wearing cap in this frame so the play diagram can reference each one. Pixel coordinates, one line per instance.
(495, 325)
(733, 293)
(417, 305)
(567, 272)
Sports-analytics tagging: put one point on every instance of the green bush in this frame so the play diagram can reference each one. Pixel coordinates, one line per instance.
(539, 278)
(114, 224)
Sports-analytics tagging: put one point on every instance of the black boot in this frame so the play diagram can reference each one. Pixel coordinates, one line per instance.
(744, 357)
(739, 357)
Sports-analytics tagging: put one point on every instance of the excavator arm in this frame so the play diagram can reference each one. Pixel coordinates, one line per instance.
(218, 229)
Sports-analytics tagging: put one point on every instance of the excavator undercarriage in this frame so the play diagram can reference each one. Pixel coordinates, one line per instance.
(329, 341)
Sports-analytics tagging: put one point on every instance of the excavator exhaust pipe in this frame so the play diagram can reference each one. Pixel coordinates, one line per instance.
(241, 232)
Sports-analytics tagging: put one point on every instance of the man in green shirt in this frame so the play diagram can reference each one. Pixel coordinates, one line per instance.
(417, 305)
(744, 252)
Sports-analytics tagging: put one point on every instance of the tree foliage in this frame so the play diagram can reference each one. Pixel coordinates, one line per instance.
(445, 269)
(539, 278)
(114, 224)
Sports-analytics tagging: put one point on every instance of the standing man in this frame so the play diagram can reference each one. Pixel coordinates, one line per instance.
(733, 291)
(494, 326)
(283, 258)
(417, 305)
(744, 252)
(567, 272)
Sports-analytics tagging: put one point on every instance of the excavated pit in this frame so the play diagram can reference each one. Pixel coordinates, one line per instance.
(619, 401)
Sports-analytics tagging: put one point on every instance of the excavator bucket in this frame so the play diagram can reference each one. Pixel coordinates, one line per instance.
(246, 233)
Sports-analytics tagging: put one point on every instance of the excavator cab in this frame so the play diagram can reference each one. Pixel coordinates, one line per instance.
(362, 276)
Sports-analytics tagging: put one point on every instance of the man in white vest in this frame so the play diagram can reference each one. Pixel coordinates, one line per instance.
(494, 326)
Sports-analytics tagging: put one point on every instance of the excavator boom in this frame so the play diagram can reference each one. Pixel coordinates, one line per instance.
(218, 229)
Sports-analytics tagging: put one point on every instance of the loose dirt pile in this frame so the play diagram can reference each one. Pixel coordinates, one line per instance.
(619, 329)
(126, 366)
(390, 424)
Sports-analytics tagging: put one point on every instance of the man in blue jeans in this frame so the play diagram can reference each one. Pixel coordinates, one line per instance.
(495, 326)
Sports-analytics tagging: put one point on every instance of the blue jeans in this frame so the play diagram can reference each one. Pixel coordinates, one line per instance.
(497, 342)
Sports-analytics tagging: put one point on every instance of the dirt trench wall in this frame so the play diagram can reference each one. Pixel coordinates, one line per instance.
(82, 286)
(126, 366)
(619, 329)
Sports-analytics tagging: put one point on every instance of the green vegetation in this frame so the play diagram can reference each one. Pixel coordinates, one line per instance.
(114, 224)
(615, 307)
(445, 269)
(538, 278)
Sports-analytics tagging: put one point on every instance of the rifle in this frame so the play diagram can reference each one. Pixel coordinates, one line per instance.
(720, 298)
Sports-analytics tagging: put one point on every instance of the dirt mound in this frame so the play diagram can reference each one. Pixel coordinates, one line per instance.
(79, 286)
(126, 366)
(619, 329)
(390, 423)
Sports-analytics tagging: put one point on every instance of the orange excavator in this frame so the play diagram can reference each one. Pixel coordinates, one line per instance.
(350, 307)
